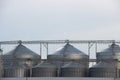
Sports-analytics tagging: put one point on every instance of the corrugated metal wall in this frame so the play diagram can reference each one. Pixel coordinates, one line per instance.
(60, 78)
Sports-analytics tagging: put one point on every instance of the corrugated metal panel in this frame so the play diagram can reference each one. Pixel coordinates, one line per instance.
(13, 79)
(44, 70)
(15, 70)
(55, 78)
(73, 70)
(71, 78)
(103, 69)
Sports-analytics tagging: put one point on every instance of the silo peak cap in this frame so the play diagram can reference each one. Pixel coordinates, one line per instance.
(68, 49)
(113, 47)
(22, 52)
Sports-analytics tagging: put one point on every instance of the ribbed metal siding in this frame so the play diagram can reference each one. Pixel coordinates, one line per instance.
(44, 72)
(103, 69)
(73, 72)
(1, 71)
(102, 72)
(60, 78)
(15, 72)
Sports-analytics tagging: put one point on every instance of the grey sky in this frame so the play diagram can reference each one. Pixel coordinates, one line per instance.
(59, 19)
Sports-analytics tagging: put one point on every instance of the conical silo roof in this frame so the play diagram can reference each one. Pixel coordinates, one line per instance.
(73, 65)
(22, 52)
(112, 52)
(68, 49)
(113, 48)
(68, 52)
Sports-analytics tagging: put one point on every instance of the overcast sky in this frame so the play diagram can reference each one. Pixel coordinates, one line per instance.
(59, 19)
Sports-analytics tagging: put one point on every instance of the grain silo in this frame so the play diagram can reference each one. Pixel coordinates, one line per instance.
(103, 69)
(69, 53)
(109, 54)
(44, 70)
(73, 69)
(22, 55)
(1, 64)
(15, 70)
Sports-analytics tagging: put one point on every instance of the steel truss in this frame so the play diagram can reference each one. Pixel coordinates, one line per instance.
(45, 43)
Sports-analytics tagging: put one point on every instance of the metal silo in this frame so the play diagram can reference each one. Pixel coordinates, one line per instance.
(1, 68)
(15, 70)
(44, 70)
(68, 53)
(23, 55)
(109, 54)
(103, 69)
(1, 63)
(73, 70)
